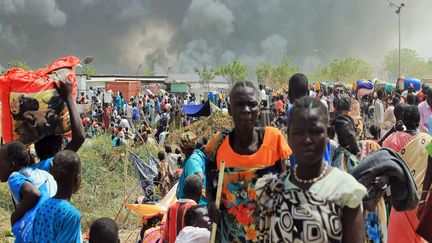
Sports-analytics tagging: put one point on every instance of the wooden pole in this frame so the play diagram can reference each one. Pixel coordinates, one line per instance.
(125, 169)
(125, 201)
(218, 197)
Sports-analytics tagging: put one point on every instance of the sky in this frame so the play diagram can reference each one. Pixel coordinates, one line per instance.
(184, 34)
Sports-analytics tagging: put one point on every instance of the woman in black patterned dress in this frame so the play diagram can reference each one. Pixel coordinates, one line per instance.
(313, 202)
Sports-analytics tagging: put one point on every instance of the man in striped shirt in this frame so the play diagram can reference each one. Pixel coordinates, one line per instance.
(175, 215)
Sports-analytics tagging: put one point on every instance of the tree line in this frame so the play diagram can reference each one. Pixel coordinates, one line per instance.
(338, 70)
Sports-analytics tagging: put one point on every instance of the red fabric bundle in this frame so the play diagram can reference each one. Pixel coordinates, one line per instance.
(31, 106)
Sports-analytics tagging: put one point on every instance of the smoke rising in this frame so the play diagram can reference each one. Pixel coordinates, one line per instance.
(208, 18)
(42, 10)
(185, 34)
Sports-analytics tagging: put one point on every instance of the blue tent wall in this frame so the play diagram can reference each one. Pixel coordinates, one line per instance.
(197, 110)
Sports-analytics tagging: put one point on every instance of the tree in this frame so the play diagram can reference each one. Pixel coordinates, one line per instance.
(18, 64)
(265, 73)
(235, 71)
(14, 64)
(411, 63)
(348, 70)
(284, 72)
(89, 70)
(273, 75)
(322, 74)
(206, 75)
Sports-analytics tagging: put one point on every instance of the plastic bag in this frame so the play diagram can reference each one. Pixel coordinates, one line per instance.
(31, 106)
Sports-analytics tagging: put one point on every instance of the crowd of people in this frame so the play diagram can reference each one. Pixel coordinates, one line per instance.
(307, 164)
(347, 169)
(146, 118)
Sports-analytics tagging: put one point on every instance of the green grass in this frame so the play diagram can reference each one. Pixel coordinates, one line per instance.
(105, 185)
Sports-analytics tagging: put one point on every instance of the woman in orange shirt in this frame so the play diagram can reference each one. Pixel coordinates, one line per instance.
(249, 152)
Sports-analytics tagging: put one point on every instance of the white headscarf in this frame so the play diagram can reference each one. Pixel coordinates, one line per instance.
(193, 234)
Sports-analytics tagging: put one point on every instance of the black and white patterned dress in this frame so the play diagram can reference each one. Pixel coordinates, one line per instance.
(295, 215)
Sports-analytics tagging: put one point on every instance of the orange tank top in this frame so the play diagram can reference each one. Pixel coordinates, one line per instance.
(241, 173)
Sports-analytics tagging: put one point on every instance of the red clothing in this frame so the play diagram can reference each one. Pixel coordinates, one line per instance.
(106, 117)
(280, 106)
(425, 227)
(175, 219)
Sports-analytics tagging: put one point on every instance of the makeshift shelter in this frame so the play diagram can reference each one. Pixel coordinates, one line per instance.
(200, 110)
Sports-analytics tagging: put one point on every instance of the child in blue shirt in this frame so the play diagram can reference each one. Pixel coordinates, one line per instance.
(29, 186)
(56, 219)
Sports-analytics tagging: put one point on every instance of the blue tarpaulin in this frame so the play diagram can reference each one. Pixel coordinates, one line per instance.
(197, 110)
(192, 109)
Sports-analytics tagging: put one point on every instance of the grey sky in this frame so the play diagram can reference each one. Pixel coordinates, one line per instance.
(122, 34)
